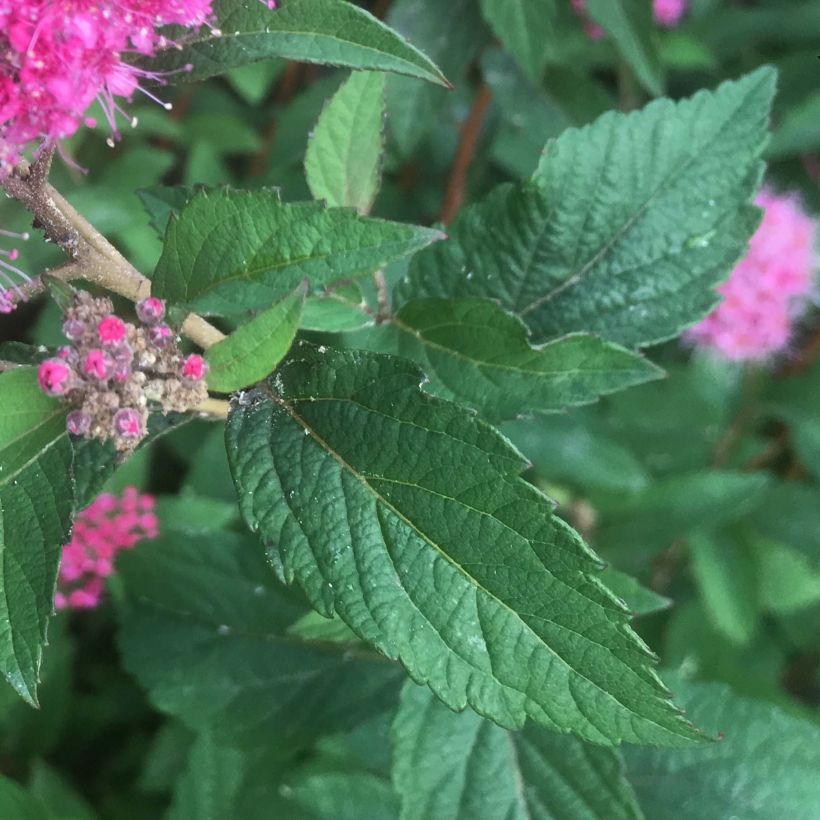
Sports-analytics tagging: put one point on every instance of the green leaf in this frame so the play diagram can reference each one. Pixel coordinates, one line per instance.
(204, 630)
(161, 202)
(254, 349)
(640, 599)
(17, 803)
(233, 251)
(209, 787)
(630, 24)
(58, 795)
(475, 352)
(35, 510)
(459, 767)
(526, 28)
(726, 578)
(330, 32)
(315, 627)
(344, 156)
(627, 227)
(764, 767)
(797, 132)
(338, 310)
(786, 580)
(428, 544)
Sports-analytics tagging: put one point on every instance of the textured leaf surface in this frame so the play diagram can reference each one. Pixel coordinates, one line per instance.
(764, 767)
(406, 516)
(627, 226)
(630, 24)
(35, 509)
(331, 32)
(456, 766)
(344, 156)
(526, 28)
(254, 349)
(205, 631)
(233, 251)
(475, 352)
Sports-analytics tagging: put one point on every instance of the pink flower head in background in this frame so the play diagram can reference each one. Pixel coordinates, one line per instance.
(11, 277)
(767, 289)
(667, 13)
(58, 56)
(102, 530)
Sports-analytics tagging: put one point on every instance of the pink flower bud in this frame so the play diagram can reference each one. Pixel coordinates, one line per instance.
(111, 330)
(122, 371)
(194, 368)
(78, 423)
(160, 335)
(73, 329)
(98, 364)
(128, 423)
(55, 377)
(151, 310)
(7, 301)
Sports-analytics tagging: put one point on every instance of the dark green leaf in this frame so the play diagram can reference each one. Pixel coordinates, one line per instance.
(17, 803)
(232, 251)
(162, 202)
(331, 32)
(406, 516)
(459, 767)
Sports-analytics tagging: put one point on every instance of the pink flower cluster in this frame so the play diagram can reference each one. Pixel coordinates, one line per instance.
(767, 289)
(103, 529)
(667, 13)
(10, 275)
(58, 56)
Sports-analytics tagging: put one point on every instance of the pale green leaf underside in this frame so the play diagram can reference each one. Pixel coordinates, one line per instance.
(475, 352)
(35, 511)
(254, 349)
(231, 251)
(764, 767)
(344, 155)
(406, 516)
(627, 226)
(456, 766)
(331, 32)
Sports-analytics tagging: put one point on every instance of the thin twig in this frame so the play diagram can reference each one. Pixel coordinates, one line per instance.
(213, 408)
(470, 132)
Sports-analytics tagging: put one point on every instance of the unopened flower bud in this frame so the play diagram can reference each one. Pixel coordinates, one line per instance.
(160, 335)
(194, 368)
(73, 329)
(128, 423)
(55, 377)
(122, 371)
(151, 310)
(98, 364)
(78, 423)
(111, 330)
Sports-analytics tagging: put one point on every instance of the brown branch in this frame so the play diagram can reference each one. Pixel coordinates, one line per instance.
(470, 132)
(92, 256)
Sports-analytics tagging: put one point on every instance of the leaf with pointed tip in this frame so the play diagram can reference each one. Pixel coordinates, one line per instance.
(765, 766)
(406, 516)
(627, 226)
(204, 629)
(475, 352)
(640, 599)
(35, 515)
(254, 349)
(455, 766)
(344, 156)
(230, 251)
(329, 32)
(161, 202)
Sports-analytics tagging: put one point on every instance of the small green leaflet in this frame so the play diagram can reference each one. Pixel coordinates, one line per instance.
(526, 28)
(330, 32)
(630, 24)
(475, 352)
(344, 156)
(764, 766)
(35, 514)
(406, 516)
(640, 599)
(204, 629)
(456, 766)
(231, 251)
(254, 349)
(627, 226)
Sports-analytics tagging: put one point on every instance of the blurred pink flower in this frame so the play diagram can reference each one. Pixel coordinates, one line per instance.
(765, 292)
(107, 526)
(667, 13)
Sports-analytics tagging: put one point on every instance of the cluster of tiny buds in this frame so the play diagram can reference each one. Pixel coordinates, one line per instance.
(112, 371)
